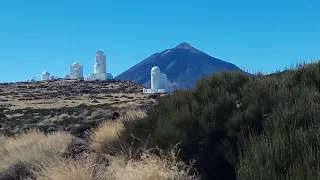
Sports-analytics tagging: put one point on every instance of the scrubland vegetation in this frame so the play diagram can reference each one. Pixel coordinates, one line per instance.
(54, 156)
(231, 126)
(235, 127)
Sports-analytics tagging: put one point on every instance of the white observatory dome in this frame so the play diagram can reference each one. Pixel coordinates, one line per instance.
(99, 53)
(75, 64)
(155, 70)
(45, 76)
(32, 80)
(51, 77)
(46, 73)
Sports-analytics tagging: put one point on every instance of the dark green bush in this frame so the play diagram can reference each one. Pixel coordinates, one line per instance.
(263, 127)
(289, 147)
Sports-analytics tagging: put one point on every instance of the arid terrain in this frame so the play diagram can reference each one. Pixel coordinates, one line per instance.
(66, 105)
(70, 130)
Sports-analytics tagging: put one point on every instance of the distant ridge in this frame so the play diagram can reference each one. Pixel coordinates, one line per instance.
(183, 64)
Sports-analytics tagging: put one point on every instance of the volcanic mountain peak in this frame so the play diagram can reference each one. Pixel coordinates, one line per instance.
(184, 65)
(188, 47)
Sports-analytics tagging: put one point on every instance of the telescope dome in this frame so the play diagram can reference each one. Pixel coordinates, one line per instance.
(51, 77)
(99, 53)
(33, 80)
(155, 70)
(45, 73)
(75, 64)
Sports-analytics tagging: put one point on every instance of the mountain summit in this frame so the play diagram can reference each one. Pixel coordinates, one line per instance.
(183, 64)
(187, 47)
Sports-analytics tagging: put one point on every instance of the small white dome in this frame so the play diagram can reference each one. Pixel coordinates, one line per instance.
(155, 70)
(99, 53)
(45, 73)
(67, 76)
(32, 79)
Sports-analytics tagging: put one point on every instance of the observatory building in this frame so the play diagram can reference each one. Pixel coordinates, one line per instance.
(76, 71)
(99, 68)
(52, 78)
(45, 76)
(31, 80)
(67, 76)
(159, 82)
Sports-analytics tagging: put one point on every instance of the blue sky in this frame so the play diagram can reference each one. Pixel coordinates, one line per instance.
(43, 35)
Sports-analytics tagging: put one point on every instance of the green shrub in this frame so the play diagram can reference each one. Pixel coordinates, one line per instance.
(289, 147)
(262, 127)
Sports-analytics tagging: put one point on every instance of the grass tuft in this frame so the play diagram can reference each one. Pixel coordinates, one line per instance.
(31, 150)
(105, 137)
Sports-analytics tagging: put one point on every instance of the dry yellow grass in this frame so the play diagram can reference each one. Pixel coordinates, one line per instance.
(2, 139)
(150, 167)
(104, 137)
(32, 149)
(132, 115)
(41, 154)
(72, 170)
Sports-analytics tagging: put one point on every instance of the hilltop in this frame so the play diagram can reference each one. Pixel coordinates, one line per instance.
(70, 105)
(183, 64)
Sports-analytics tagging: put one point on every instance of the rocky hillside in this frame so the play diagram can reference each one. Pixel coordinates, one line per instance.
(184, 65)
(73, 106)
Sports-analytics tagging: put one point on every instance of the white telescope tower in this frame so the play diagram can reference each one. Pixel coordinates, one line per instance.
(159, 82)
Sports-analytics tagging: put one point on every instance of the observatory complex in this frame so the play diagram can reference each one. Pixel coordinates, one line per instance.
(45, 76)
(76, 71)
(159, 82)
(99, 69)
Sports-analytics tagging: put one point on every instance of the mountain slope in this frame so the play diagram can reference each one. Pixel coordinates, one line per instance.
(184, 65)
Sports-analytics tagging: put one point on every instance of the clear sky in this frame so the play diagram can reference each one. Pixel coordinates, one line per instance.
(49, 35)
